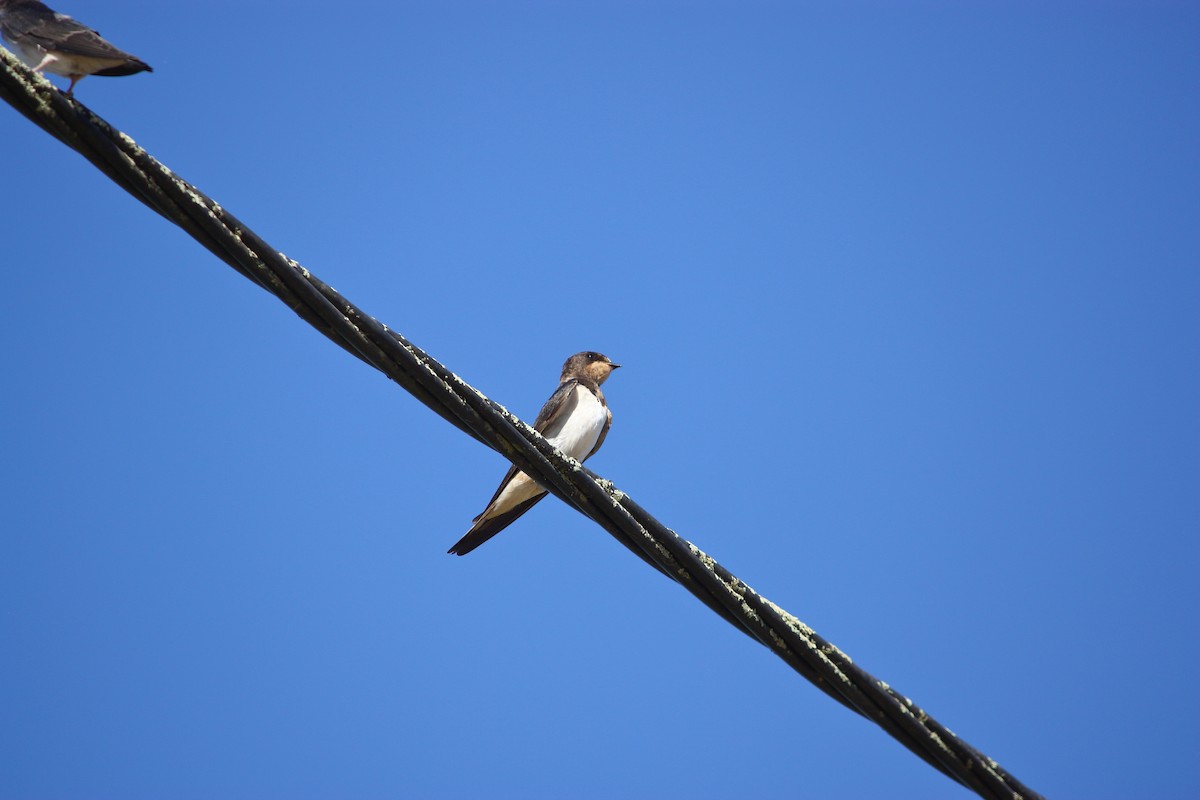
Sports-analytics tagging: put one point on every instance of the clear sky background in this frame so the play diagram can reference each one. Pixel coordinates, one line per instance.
(907, 297)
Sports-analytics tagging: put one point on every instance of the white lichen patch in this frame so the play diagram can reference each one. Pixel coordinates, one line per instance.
(304, 273)
(35, 85)
(752, 615)
(791, 620)
(705, 559)
(614, 494)
(933, 737)
(829, 648)
(460, 382)
(193, 195)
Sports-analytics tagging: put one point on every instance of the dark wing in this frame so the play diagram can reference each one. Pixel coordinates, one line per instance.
(130, 67)
(19, 23)
(59, 33)
(555, 405)
(508, 476)
(483, 530)
(551, 411)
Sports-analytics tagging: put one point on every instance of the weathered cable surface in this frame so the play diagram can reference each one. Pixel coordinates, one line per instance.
(467, 409)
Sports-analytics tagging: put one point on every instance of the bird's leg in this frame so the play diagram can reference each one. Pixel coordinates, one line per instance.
(46, 59)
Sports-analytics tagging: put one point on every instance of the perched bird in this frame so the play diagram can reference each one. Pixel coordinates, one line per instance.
(48, 40)
(575, 420)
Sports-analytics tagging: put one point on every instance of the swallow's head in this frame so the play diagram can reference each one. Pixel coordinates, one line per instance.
(588, 364)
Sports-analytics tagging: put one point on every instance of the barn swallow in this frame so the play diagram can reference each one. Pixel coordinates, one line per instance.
(48, 40)
(575, 420)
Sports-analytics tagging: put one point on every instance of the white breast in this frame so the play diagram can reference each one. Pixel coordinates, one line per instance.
(576, 431)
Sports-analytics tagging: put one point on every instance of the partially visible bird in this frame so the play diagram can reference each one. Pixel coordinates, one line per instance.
(575, 420)
(48, 40)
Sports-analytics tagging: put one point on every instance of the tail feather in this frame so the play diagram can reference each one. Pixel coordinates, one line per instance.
(484, 529)
(130, 67)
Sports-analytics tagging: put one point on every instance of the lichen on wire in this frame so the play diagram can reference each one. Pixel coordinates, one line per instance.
(434, 385)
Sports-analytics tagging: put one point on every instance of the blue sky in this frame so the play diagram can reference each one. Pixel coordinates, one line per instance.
(907, 301)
